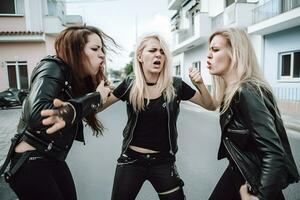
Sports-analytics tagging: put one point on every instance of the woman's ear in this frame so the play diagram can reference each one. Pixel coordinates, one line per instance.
(140, 58)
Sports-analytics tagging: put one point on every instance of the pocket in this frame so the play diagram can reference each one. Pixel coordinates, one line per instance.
(124, 159)
(239, 136)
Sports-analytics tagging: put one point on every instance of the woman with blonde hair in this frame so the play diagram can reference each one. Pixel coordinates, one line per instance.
(152, 97)
(253, 136)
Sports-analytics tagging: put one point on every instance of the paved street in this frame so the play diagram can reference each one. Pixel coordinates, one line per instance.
(93, 164)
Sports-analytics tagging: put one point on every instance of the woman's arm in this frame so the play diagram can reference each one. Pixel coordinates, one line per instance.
(202, 96)
(66, 113)
(110, 100)
(47, 84)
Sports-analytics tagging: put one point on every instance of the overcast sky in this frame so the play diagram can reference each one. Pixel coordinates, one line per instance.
(123, 20)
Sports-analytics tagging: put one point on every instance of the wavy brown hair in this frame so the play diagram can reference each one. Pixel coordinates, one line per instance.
(69, 46)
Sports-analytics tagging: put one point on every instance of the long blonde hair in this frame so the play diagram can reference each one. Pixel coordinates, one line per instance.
(165, 81)
(243, 60)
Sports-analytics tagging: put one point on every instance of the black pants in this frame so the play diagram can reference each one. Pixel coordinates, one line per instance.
(43, 179)
(229, 185)
(134, 168)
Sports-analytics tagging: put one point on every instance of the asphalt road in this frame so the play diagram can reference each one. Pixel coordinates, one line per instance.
(93, 164)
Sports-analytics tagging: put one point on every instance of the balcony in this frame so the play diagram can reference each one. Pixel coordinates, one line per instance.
(71, 20)
(185, 39)
(234, 15)
(53, 24)
(174, 4)
(56, 20)
(274, 16)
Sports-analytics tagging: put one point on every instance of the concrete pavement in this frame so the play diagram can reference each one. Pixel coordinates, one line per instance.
(8, 126)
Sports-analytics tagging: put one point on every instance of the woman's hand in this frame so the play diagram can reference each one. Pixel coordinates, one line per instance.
(195, 76)
(245, 195)
(104, 91)
(54, 118)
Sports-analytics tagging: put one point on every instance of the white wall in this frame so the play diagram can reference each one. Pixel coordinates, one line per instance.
(197, 54)
(258, 45)
(283, 41)
(215, 7)
(33, 15)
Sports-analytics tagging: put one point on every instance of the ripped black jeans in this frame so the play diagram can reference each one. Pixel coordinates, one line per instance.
(133, 169)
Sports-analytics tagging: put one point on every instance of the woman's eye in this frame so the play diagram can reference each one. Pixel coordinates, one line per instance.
(214, 49)
(95, 49)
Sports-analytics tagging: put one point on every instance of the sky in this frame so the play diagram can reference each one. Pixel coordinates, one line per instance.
(125, 21)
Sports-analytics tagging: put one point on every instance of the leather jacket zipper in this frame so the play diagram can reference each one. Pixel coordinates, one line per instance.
(238, 130)
(68, 92)
(168, 112)
(236, 163)
(131, 133)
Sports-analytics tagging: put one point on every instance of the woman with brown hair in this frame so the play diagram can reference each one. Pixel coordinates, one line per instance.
(76, 74)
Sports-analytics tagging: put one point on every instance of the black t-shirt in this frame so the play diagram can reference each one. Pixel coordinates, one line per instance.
(151, 130)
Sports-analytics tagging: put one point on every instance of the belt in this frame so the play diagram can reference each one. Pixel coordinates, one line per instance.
(43, 147)
(150, 156)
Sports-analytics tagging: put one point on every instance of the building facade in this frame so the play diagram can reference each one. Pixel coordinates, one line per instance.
(274, 29)
(27, 33)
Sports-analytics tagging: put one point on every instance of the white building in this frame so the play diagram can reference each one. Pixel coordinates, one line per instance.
(27, 33)
(274, 28)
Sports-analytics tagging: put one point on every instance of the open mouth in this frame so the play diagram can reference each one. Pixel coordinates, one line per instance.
(101, 64)
(157, 62)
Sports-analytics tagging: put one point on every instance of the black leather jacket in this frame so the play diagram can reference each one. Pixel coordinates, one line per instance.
(255, 140)
(51, 79)
(172, 109)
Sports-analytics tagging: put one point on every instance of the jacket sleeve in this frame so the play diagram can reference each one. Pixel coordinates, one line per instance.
(86, 104)
(262, 125)
(47, 84)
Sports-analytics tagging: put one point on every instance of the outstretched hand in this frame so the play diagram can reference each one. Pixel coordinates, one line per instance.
(104, 91)
(54, 119)
(195, 76)
(245, 195)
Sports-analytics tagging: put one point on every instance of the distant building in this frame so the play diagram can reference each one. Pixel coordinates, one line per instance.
(27, 33)
(274, 28)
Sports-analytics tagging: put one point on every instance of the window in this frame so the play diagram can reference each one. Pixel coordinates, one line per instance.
(177, 70)
(197, 65)
(7, 7)
(17, 74)
(290, 65)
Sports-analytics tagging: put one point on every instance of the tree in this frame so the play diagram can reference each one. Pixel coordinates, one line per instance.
(128, 69)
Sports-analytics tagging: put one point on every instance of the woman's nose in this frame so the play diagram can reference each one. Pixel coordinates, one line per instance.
(209, 55)
(158, 54)
(101, 54)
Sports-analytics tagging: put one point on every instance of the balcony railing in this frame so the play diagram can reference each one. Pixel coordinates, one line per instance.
(273, 8)
(291, 94)
(55, 9)
(186, 34)
(288, 100)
